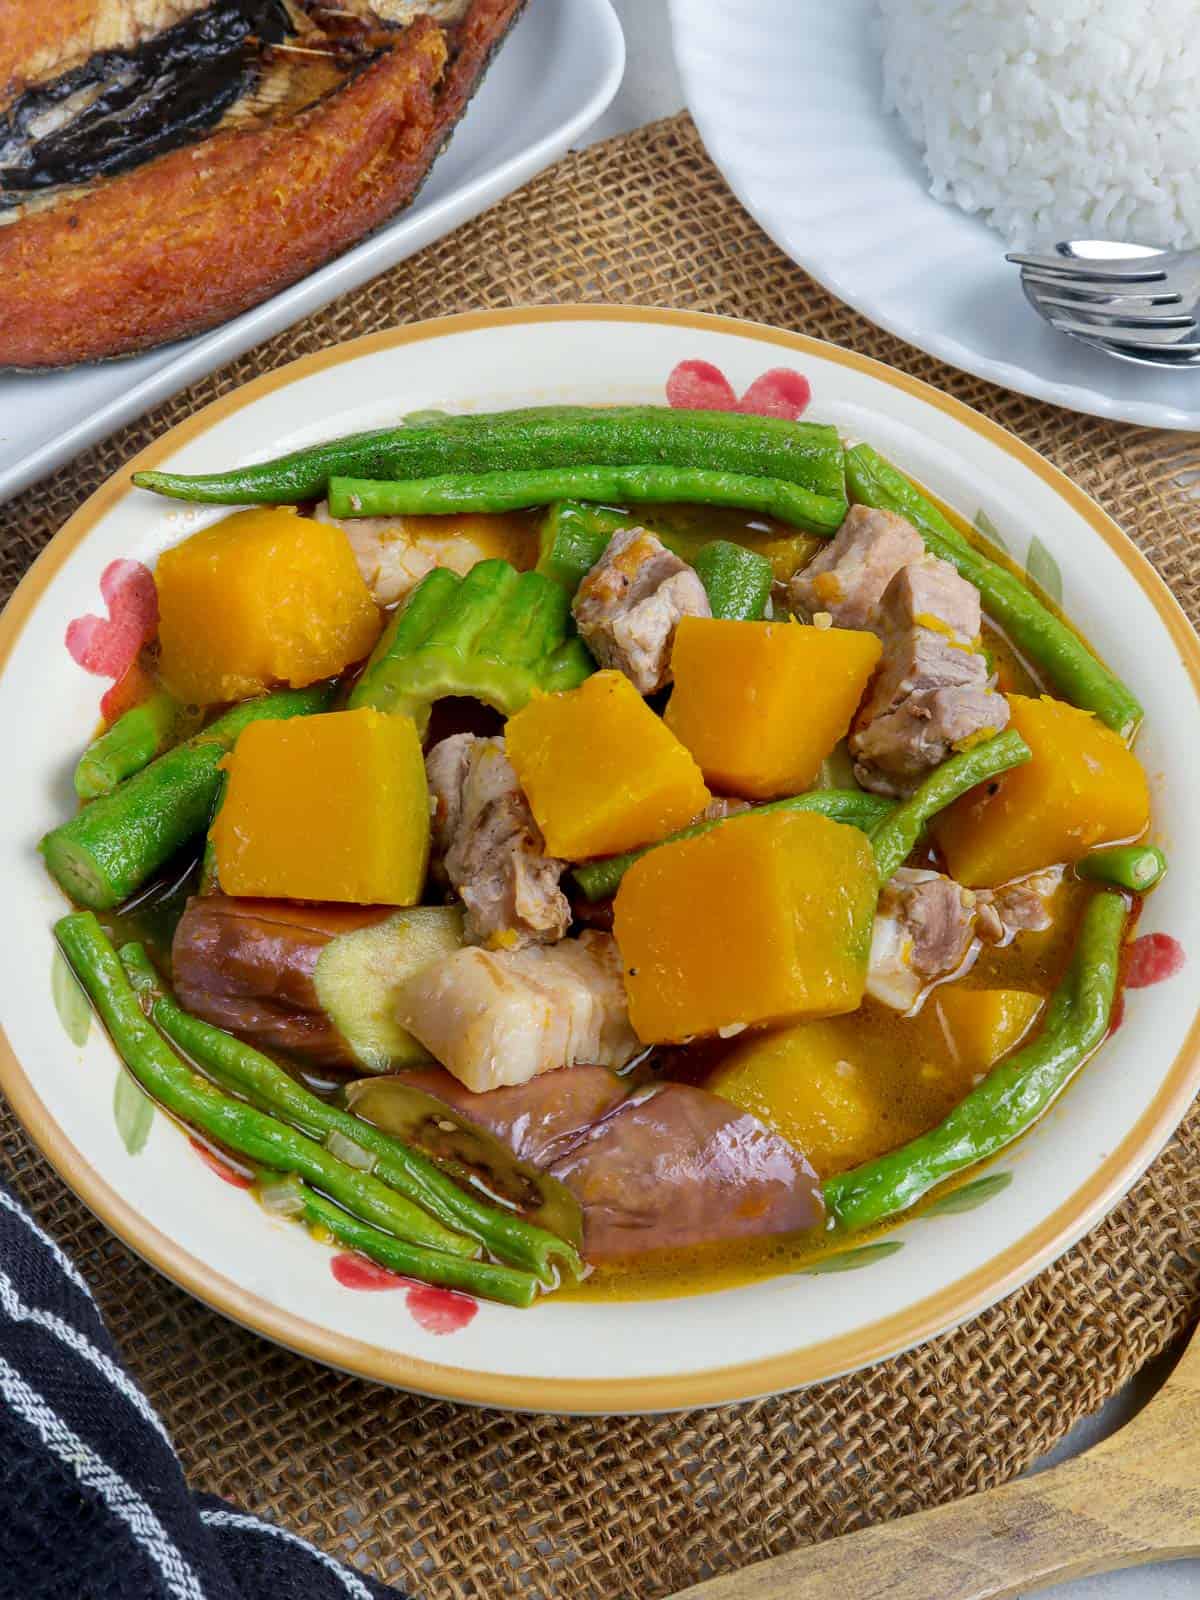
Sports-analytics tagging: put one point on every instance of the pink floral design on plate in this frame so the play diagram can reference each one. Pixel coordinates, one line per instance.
(435, 1310)
(699, 386)
(108, 646)
(1153, 958)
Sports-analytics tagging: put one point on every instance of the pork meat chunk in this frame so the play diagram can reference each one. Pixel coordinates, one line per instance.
(932, 692)
(924, 930)
(496, 1017)
(928, 927)
(848, 577)
(487, 846)
(628, 606)
(1022, 906)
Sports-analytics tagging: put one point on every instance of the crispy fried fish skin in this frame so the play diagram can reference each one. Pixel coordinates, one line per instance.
(192, 238)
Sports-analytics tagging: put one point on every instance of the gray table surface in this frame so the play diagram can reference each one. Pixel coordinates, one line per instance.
(651, 90)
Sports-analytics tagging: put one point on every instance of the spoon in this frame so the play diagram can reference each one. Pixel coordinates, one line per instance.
(1133, 1498)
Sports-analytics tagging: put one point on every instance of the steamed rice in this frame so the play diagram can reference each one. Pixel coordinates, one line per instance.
(1054, 119)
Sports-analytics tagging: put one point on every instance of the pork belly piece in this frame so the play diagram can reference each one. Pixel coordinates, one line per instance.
(848, 577)
(489, 848)
(924, 929)
(932, 692)
(629, 604)
(679, 1167)
(541, 1120)
(391, 563)
(395, 553)
(495, 1017)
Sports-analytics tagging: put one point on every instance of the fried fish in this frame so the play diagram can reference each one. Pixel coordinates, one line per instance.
(165, 165)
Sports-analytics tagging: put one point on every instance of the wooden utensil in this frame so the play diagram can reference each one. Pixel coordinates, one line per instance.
(1134, 1498)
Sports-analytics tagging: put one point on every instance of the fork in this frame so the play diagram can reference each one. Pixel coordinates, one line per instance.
(1126, 298)
(1133, 1498)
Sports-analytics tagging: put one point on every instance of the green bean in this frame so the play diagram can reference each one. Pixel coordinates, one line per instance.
(239, 1127)
(736, 580)
(505, 1284)
(513, 491)
(1044, 639)
(132, 743)
(1012, 1096)
(247, 1071)
(806, 453)
(895, 838)
(1136, 867)
(599, 879)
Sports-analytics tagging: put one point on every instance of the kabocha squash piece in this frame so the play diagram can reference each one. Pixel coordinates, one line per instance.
(1082, 788)
(264, 596)
(120, 840)
(337, 812)
(802, 1081)
(761, 705)
(496, 635)
(981, 1026)
(601, 772)
(765, 919)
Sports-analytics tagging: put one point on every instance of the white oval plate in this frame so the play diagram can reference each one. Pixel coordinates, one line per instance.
(728, 1345)
(788, 102)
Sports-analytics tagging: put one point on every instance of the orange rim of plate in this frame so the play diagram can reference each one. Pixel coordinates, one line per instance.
(877, 1341)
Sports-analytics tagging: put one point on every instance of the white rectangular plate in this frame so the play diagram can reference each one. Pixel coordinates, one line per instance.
(556, 73)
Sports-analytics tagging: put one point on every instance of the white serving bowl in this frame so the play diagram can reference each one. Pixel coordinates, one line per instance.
(643, 1355)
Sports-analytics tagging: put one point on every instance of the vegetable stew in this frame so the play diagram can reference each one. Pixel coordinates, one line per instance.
(607, 851)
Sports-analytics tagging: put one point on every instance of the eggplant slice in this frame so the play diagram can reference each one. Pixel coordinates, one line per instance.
(165, 165)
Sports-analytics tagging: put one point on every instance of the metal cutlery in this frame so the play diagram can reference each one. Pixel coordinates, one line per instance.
(1131, 301)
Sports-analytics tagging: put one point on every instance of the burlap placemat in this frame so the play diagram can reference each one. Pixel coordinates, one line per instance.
(464, 1503)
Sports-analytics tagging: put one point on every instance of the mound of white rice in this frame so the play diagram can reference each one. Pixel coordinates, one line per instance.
(1055, 119)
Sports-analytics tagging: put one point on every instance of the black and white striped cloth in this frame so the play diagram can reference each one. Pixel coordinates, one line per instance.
(93, 1503)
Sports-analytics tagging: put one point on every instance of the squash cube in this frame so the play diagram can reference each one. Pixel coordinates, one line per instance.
(761, 704)
(1084, 787)
(332, 807)
(764, 918)
(262, 597)
(601, 772)
(982, 1025)
(804, 1082)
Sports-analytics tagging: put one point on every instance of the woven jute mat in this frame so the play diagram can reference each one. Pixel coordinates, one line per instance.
(456, 1502)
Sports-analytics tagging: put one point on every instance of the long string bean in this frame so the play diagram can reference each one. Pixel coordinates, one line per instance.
(896, 836)
(806, 453)
(247, 1071)
(1137, 867)
(538, 486)
(239, 1127)
(132, 743)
